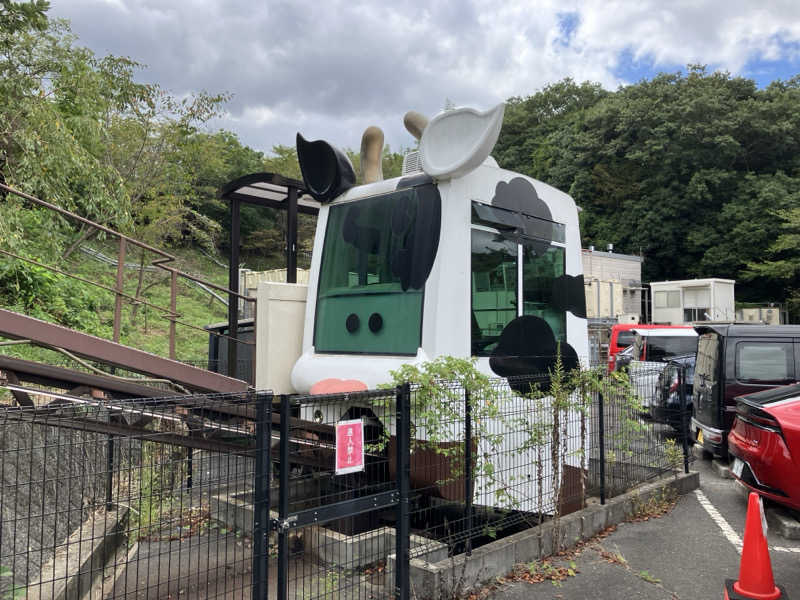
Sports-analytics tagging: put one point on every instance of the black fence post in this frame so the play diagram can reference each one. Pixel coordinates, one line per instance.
(684, 420)
(261, 496)
(109, 472)
(403, 529)
(190, 469)
(283, 503)
(468, 470)
(602, 435)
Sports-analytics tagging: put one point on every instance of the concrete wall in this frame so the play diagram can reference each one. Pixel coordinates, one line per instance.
(279, 334)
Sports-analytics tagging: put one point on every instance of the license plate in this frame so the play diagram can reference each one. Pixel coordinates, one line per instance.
(699, 436)
(737, 467)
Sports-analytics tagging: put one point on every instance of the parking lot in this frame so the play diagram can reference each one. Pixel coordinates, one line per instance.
(685, 554)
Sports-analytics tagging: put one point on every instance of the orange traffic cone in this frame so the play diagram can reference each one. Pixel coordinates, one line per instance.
(755, 571)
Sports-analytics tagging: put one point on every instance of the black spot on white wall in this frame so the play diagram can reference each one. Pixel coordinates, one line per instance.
(528, 348)
(519, 196)
(569, 294)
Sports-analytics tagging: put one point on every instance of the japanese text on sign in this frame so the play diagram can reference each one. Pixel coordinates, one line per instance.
(349, 446)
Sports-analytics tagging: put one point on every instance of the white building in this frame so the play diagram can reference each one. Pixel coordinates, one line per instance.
(613, 285)
(692, 300)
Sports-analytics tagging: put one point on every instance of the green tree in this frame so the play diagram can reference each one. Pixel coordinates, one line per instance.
(687, 169)
(782, 260)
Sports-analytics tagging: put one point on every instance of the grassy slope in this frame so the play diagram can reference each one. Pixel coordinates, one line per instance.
(143, 328)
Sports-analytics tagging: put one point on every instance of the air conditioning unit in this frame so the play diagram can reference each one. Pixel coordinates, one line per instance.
(412, 163)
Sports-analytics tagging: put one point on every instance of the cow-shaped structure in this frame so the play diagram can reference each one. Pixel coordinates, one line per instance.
(456, 257)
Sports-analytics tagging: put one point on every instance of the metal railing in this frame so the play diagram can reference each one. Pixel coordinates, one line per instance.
(161, 261)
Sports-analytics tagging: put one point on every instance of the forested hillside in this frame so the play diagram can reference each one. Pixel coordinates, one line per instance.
(83, 132)
(698, 172)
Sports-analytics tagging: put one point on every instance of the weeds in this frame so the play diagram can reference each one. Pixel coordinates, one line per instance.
(545, 570)
(674, 455)
(648, 578)
(657, 505)
(15, 592)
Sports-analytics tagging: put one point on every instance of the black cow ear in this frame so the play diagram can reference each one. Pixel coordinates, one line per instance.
(570, 294)
(327, 172)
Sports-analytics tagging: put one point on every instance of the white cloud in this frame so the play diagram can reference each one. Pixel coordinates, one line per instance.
(329, 69)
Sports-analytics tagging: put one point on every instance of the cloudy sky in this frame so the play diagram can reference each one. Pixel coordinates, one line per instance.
(329, 68)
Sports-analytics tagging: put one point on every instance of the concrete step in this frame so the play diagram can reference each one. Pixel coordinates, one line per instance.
(722, 468)
(784, 522)
(78, 562)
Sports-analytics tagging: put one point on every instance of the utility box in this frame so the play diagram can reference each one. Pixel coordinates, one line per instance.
(692, 300)
(218, 350)
(604, 299)
(769, 315)
(281, 311)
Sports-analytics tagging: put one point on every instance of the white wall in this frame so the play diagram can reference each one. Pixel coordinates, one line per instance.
(281, 309)
(723, 301)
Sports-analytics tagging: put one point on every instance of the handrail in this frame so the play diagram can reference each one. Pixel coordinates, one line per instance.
(161, 262)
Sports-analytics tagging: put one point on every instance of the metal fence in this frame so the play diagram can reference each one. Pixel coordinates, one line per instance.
(250, 496)
(120, 499)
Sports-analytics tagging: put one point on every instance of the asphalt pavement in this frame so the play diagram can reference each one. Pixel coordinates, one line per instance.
(685, 554)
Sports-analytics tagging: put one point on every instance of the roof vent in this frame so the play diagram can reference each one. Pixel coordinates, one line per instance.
(412, 163)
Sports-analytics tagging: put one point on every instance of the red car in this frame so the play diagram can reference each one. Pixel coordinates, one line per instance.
(765, 444)
(623, 335)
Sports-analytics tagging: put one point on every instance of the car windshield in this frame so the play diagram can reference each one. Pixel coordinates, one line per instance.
(625, 338)
(663, 348)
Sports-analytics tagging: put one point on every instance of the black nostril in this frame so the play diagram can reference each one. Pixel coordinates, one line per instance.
(352, 323)
(375, 322)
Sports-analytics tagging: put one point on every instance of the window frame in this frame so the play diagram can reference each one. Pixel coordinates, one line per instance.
(666, 295)
(518, 239)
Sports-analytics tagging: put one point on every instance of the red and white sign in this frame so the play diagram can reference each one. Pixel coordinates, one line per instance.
(349, 446)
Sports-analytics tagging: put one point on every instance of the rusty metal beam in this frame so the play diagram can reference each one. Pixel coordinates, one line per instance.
(22, 398)
(81, 424)
(62, 378)
(15, 325)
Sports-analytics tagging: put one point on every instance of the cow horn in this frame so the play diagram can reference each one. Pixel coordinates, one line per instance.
(372, 155)
(415, 123)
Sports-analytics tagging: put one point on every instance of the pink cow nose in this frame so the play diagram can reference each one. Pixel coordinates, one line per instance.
(337, 386)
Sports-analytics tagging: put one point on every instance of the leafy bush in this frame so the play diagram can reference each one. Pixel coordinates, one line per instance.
(44, 294)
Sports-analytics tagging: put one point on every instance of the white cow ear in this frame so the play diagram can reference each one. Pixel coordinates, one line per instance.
(457, 141)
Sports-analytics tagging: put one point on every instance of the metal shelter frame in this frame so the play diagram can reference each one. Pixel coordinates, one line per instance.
(272, 191)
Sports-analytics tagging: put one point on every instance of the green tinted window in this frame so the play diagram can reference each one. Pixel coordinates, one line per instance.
(494, 288)
(541, 265)
(364, 248)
